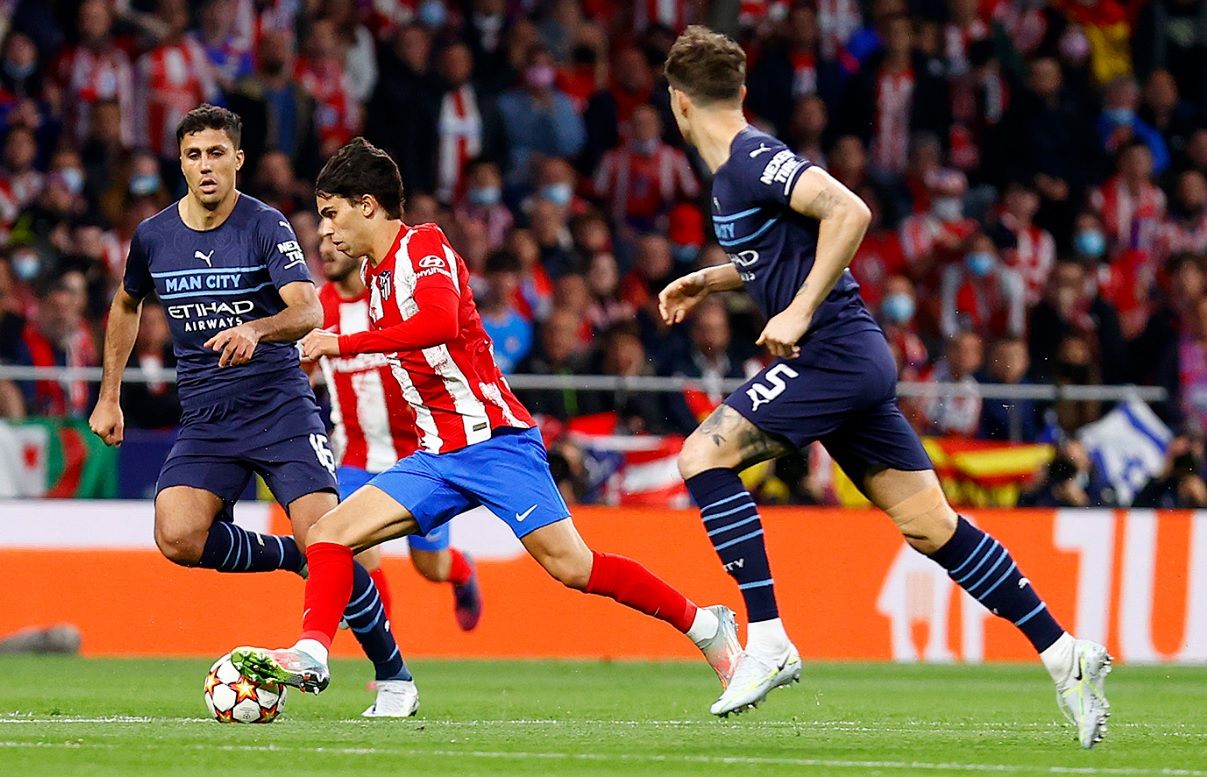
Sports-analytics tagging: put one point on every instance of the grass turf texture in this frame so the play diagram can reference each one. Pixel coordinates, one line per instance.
(67, 717)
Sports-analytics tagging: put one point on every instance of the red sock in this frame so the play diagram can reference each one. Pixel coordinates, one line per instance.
(459, 570)
(631, 584)
(328, 589)
(383, 590)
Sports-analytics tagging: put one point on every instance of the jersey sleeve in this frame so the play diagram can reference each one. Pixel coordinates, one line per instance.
(768, 177)
(433, 262)
(286, 262)
(137, 279)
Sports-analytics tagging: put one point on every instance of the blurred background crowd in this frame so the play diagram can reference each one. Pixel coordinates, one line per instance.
(1036, 169)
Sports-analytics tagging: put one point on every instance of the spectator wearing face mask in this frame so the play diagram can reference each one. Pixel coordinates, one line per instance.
(1035, 249)
(879, 255)
(483, 201)
(644, 177)
(555, 181)
(1118, 124)
(933, 239)
(897, 319)
(982, 294)
(509, 331)
(540, 119)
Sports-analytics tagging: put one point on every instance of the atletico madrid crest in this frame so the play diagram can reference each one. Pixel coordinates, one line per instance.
(384, 285)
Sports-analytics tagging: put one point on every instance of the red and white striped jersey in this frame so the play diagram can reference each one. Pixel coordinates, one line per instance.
(88, 76)
(171, 81)
(460, 129)
(644, 185)
(374, 425)
(424, 319)
(1033, 257)
(1132, 218)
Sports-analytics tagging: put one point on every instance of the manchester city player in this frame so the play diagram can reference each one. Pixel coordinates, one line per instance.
(237, 292)
(790, 230)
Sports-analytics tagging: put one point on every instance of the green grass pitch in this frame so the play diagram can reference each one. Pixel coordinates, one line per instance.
(63, 717)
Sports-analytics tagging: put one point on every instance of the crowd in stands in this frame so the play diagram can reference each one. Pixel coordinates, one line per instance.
(1036, 169)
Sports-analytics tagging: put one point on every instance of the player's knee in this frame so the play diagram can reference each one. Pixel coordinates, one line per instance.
(925, 520)
(696, 456)
(323, 531)
(180, 546)
(572, 570)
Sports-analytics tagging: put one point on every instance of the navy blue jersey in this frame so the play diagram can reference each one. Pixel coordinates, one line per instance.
(773, 246)
(215, 279)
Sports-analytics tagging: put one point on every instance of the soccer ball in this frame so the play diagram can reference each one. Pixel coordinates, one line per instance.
(233, 698)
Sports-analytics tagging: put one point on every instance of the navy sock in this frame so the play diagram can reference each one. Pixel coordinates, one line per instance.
(983, 567)
(736, 533)
(231, 548)
(367, 618)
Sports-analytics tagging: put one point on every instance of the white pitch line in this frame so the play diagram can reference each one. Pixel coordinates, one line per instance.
(833, 763)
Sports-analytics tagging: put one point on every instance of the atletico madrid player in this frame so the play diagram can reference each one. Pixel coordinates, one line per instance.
(478, 445)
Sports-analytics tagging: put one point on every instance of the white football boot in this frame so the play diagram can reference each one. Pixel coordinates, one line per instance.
(754, 677)
(395, 699)
(723, 648)
(1082, 697)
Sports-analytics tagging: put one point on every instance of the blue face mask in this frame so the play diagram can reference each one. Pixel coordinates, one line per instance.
(979, 263)
(485, 196)
(1120, 116)
(1090, 242)
(73, 178)
(898, 308)
(685, 254)
(432, 14)
(26, 266)
(557, 193)
(142, 185)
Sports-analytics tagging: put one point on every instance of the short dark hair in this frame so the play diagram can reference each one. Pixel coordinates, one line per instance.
(708, 66)
(361, 168)
(502, 260)
(206, 116)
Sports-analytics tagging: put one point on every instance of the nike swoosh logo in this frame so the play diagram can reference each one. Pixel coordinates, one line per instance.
(1077, 675)
(521, 516)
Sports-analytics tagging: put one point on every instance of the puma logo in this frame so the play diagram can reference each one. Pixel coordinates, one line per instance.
(205, 257)
(762, 147)
(1023, 582)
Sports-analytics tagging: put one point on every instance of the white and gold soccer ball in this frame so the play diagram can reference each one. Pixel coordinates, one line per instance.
(233, 698)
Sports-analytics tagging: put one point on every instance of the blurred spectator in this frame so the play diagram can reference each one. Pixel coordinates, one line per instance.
(468, 124)
(1119, 123)
(59, 336)
(1072, 306)
(170, 80)
(535, 294)
(894, 94)
(642, 179)
(1165, 112)
(555, 180)
(958, 412)
(608, 113)
(510, 331)
(154, 404)
(322, 72)
(483, 200)
(619, 352)
(1189, 365)
(1035, 249)
(278, 112)
(982, 294)
(401, 113)
(228, 51)
(20, 76)
(276, 184)
(96, 71)
(1008, 419)
(1180, 484)
(1172, 35)
(1154, 351)
(879, 255)
(560, 351)
(936, 238)
(1076, 365)
(1131, 205)
(709, 357)
(790, 69)
(1070, 480)
(603, 284)
(553, 236)
(652, 270)
(539, 118)
(900, 327)
(486, 28)
(1185, 227)
(360, 54)
(12, 322)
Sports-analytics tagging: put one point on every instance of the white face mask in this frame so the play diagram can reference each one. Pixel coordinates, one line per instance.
(947, 208)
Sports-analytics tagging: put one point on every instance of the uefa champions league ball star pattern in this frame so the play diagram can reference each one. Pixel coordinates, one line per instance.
(233, 698)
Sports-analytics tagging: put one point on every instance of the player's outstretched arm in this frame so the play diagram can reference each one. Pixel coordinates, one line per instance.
(844, 219)
(302, 313)
(683, 294)
(107, 421)
(435, 322)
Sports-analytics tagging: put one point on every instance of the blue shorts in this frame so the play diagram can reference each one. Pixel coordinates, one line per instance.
(843, 392)
(507, 474)
(273, 430)
(352, 478)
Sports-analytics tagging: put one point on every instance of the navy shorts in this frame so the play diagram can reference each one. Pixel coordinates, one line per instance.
(273, 430)
(843, 392)
(352, 478)
(508, 474)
